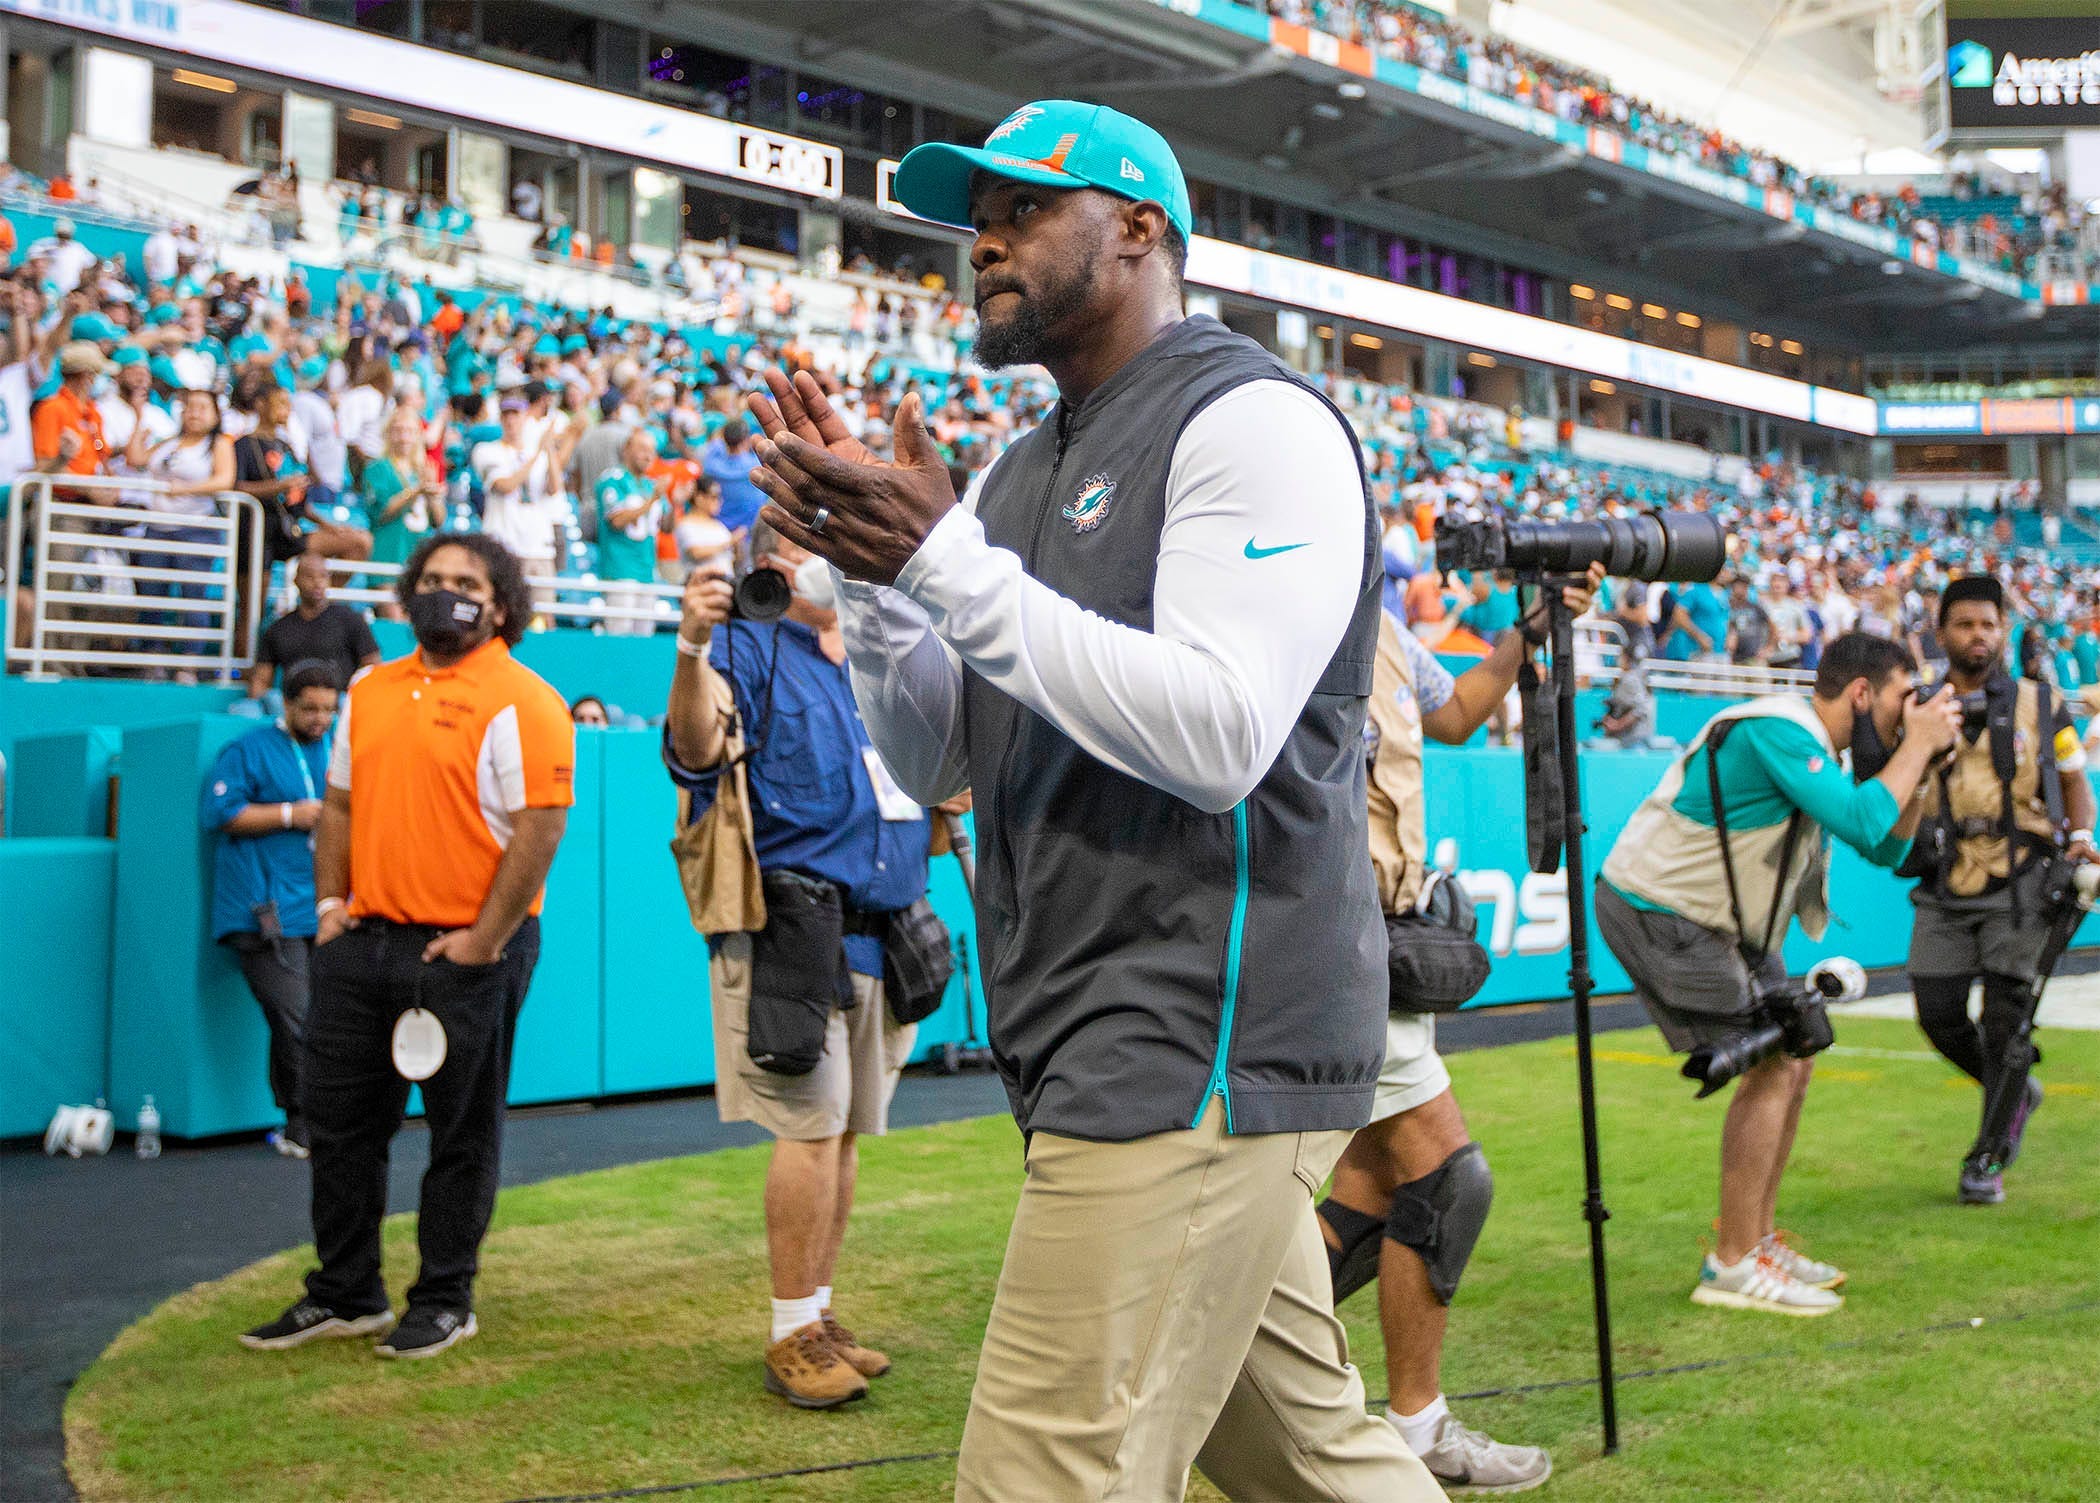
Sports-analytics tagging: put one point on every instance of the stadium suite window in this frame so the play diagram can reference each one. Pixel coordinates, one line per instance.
(542, 33)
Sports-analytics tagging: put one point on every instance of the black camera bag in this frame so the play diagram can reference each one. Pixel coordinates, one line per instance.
(798, 973)
(1433, 961)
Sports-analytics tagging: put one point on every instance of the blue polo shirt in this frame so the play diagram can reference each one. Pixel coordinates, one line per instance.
(265, 766)
(813, 806)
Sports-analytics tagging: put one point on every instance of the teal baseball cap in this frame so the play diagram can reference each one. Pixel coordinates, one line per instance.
(1059, 143)
(162, 313)
(95, 326)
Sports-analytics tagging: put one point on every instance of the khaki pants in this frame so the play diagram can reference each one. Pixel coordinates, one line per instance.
(1166, 1302)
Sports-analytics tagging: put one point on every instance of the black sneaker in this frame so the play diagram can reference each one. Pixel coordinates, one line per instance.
(426, 1332)
(310, 1320)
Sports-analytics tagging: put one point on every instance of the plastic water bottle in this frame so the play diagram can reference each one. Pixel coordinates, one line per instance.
(149, 1130)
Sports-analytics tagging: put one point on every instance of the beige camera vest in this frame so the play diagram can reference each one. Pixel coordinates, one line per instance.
(1975, 800)
(1399, 830)
(1675, 863)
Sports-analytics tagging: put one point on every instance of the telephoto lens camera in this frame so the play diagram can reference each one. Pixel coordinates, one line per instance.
(1975, 714)
(760, 594)
(1791, 1015)
(756, 592)
(1683, 547)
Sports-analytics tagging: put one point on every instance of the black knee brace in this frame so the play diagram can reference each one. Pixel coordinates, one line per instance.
(1355, 1263)
(1439, 1216)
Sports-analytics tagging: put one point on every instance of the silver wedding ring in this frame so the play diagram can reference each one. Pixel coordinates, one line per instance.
(816, 523)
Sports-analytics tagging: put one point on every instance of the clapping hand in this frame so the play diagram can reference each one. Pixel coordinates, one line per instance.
(832, 496)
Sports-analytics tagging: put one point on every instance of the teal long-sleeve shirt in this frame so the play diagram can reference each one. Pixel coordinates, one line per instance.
(1769, 768)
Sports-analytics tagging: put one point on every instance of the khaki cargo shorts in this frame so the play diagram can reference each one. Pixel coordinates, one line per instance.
(849, 1090)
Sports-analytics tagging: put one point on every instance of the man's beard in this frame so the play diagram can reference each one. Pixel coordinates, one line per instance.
(1023, 337)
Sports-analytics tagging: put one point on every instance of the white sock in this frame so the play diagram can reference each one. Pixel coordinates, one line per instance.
(793, 1314)
(1419, 1430)
(823, 1297)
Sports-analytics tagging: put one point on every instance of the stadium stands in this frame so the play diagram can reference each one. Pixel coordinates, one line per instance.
(2044, 235)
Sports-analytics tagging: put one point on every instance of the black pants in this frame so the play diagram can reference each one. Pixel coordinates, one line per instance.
(354, 1099)
(1975, 1048)
(277, 974)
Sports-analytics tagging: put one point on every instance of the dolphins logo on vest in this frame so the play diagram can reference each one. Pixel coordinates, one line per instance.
(1089, 509)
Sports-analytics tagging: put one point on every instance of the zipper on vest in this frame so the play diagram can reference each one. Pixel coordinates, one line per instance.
(1235, 936)
(1035, 543)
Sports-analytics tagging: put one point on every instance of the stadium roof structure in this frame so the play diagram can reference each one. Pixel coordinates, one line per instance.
(1247, 103)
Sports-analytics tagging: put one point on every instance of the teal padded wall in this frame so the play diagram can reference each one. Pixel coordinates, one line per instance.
(657, 1030)
(58, 782)
(55, 896)
(557, 1055)
(182, 1024)
(29, 708)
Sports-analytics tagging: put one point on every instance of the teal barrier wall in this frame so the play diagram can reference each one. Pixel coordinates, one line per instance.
(620, 1000)
(60, 782)
(54, 992)
(182, 1024)
(105, 240)
(29, 708)
(631, 673)
(1475, 799)
(559, 1051)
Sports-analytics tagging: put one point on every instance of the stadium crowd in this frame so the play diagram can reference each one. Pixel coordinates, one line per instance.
(599, 448)
(2046, 221)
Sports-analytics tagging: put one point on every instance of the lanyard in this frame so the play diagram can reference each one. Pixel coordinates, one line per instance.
(306, 773)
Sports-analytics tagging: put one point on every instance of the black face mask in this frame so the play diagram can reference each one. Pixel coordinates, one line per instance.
(1869, 752)
(445, 622)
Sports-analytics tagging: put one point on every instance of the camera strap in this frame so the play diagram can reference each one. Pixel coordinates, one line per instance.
(765, 723)
(1715, 735)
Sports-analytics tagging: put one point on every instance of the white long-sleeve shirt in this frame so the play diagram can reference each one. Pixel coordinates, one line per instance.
(1260, 561)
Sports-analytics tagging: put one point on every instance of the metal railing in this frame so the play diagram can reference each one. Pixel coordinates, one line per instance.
(639, 607)
(119, 585)
(1600, 650)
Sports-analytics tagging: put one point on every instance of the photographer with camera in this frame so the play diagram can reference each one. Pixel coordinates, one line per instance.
(816, 1009)
(1699, 889)
(1992, 859)
(1411, 1191)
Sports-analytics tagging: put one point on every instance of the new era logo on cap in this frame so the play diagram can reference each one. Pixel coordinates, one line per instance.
(1130, 170)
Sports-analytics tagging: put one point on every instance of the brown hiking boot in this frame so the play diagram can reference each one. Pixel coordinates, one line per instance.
(865, 1360)
(804, 1368)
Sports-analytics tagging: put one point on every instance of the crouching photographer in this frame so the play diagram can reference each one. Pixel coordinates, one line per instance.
(806, 868)
(1697, 894)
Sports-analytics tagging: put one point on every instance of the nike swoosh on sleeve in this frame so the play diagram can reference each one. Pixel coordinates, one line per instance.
(1254, 552)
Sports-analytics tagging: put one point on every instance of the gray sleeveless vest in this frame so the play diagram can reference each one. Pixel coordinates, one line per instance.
(1140, 955)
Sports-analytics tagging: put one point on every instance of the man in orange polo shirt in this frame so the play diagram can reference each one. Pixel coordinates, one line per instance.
(448, 792)
(67, 426)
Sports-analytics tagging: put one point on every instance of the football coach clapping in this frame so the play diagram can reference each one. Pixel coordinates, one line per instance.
(1144, 640)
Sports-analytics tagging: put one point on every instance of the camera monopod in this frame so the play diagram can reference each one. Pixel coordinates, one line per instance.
(1551, 558)
(1553, 826)
(2080, 895)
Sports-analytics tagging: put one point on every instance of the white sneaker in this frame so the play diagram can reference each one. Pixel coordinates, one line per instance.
(1779, 1247)
(1464, 1460)
(1759, 1283)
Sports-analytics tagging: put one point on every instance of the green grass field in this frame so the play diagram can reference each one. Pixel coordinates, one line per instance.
(622, 1315)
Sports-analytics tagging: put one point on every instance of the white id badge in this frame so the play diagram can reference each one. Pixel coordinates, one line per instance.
(419, 1044)
(896, 805)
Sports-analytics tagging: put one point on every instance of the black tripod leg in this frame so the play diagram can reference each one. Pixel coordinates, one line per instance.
(2003, 1094)
(2007, 1085)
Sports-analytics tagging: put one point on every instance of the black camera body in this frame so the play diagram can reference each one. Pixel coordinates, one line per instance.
(760, 594)
(1975, 714)
(1683, 547)
(1792, 1017)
